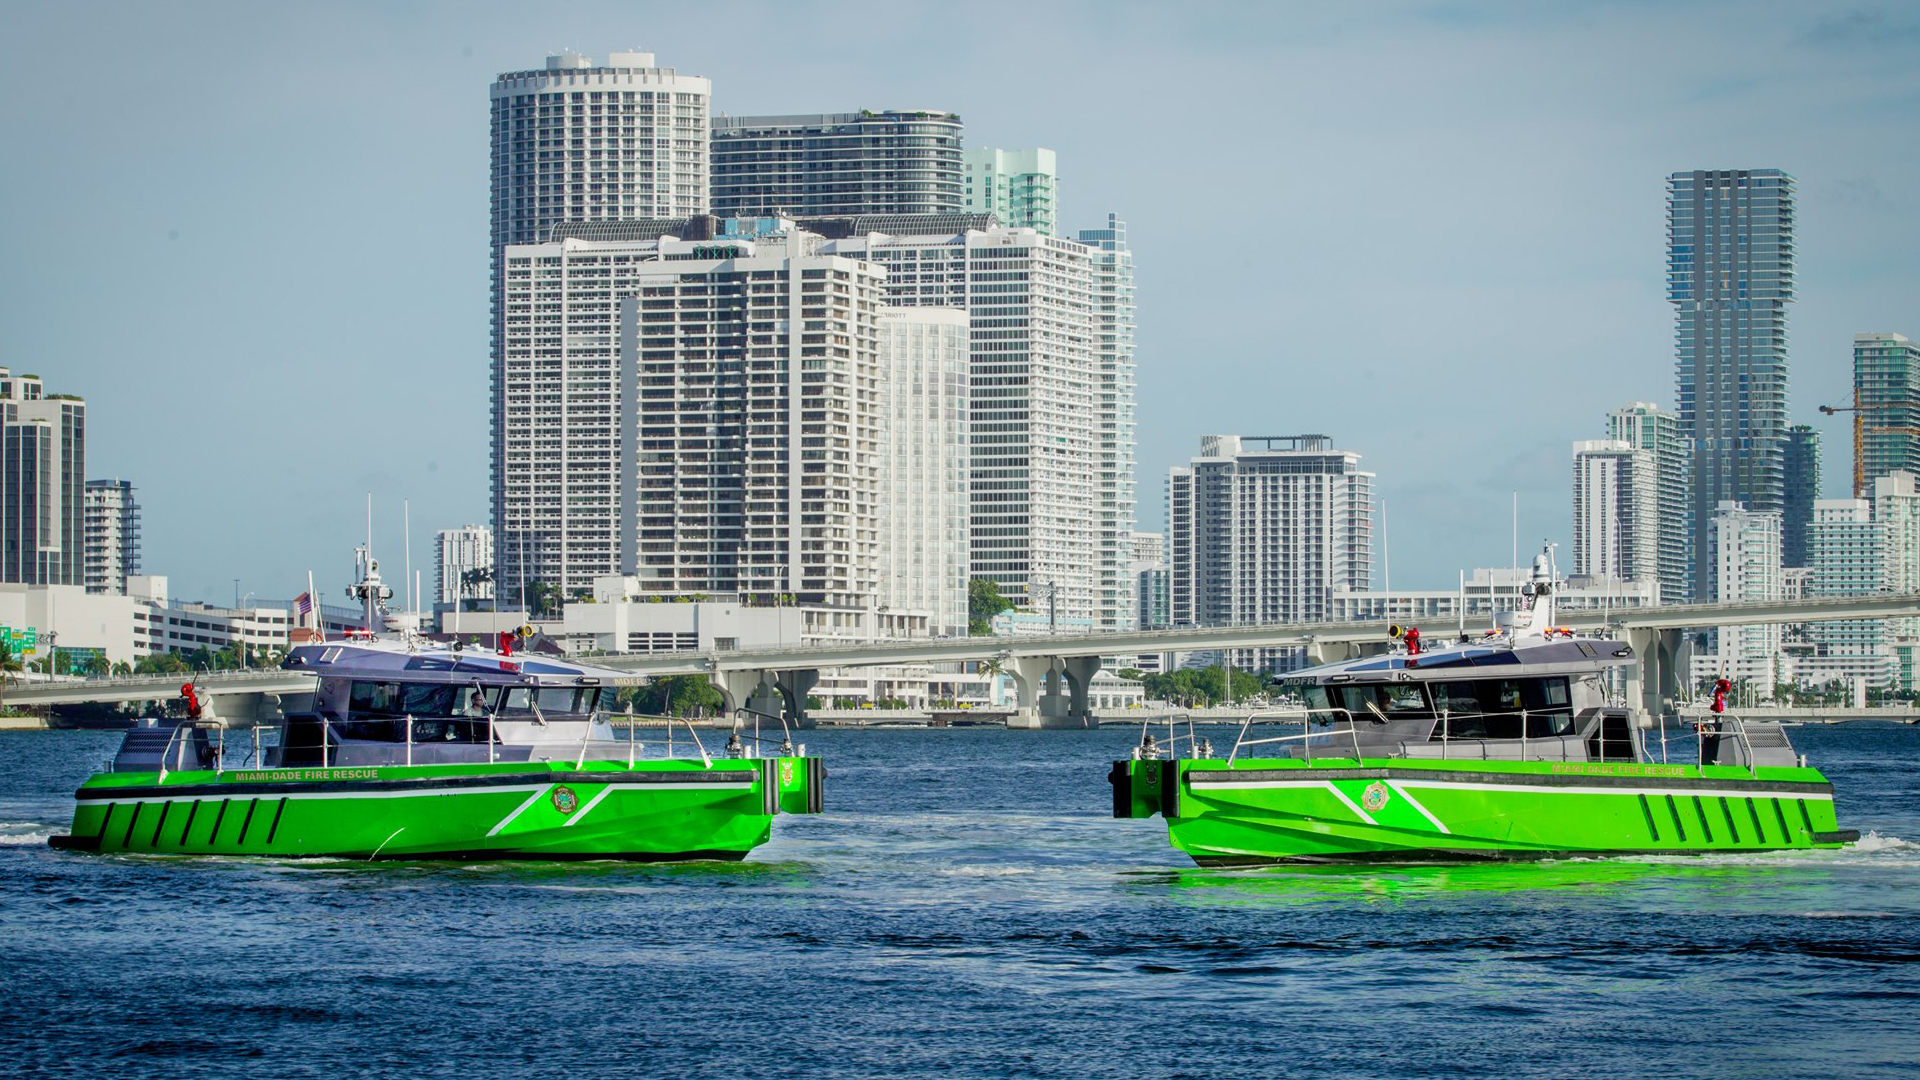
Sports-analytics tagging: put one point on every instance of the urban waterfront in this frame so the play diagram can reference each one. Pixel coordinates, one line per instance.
(966, 907)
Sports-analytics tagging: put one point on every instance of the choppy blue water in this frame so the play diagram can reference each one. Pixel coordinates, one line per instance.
(966, 908)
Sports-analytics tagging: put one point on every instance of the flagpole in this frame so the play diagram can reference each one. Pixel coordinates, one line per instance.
(313, 599)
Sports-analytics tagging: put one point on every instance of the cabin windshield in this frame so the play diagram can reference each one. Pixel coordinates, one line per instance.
(1503, 709)
(377, 711)
(552, 700)
(387, 700)
(1393, 701)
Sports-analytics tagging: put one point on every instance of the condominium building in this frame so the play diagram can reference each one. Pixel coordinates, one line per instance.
(1616, 511)
(1896, 508)
(113, 536)
(43, 448)
(754, 420)
(1801, 490)
(1746, 545)
(924, 489)
(1265, 530)
(1113, 308)
(1730, 277)
(581, 141)
(1020, 188)
(1886, 382)
(1846, 551)
(1646, 426)
(463, 565)
(741, 419)
(836, 164)
(1051, 400)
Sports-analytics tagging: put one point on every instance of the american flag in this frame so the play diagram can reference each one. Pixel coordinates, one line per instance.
(303, 604)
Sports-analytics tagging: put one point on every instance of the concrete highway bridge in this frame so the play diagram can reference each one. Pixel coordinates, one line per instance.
(1051, 673)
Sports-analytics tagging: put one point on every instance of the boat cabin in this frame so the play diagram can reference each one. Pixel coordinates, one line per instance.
(381, 702)
(1537, 701)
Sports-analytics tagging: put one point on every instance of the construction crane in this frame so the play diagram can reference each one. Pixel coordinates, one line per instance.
(1861, 431)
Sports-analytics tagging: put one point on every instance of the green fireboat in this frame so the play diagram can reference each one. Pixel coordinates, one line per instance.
(1501, 746)
(414, 749)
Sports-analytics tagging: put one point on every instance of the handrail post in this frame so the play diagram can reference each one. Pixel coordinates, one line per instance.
(1524, 756)
(408, 720)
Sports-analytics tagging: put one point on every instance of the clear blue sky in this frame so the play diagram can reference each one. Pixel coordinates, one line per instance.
(254, 235)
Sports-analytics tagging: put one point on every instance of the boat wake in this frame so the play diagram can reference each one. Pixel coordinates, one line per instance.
(25, 833)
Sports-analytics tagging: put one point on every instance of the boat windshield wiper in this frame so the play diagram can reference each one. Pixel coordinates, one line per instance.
(1378, 716)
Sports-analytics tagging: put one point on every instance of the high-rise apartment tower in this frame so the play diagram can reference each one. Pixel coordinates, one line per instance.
(1645, 426)
(113, 536)
(1051, 403)
(1265, 529)
(1800, 490)
(463, 564)
(1616, 510)
(1886, 378)
(836, 164)
(1730, 266)
(43, 456)
(577, 141)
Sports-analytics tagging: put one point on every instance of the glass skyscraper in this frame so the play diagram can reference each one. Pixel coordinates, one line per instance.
(1886, 376)
(1730, 278)
(1801, 492)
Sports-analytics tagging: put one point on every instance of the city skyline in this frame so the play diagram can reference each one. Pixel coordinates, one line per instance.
(294, 305)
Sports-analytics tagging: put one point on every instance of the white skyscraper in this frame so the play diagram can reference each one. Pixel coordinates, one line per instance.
(458, 553)
(1114, 385)
(1051, 401)
(1845, 557)
(577, 141)
(1645, 426)
(924, 504)
(1264, 530)
(1616, 511)
(1896, 508)
(754, 422)
(1747, 550)
(113, 536)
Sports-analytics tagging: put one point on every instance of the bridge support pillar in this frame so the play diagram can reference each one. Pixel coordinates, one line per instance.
(745, 690)
(1079, 672)
(1032, 676)
(1047, 695)
(794, 686)
(1654, 682)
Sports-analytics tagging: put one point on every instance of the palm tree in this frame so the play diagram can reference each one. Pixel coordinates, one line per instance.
(472, 580)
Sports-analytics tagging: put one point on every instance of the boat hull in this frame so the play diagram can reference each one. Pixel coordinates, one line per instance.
(1379, 810)
(554, 810)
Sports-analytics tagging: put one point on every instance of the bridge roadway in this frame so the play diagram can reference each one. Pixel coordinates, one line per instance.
(1051, 673)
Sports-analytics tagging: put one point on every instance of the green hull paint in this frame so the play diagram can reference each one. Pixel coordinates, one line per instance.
(544, 810)
(1399, 810)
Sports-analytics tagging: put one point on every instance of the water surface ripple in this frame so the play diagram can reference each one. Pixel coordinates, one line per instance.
(966, 908)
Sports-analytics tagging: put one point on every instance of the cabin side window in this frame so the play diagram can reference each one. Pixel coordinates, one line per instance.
(1503, 709)
(1380, 701)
